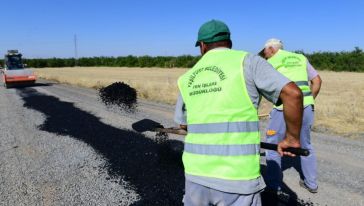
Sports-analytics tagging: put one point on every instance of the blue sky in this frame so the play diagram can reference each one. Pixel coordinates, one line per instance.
(46, 28)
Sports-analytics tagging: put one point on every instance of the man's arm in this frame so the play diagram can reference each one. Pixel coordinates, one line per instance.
(315, 86)
(292, 99)
(180, 113)
(314, 78)
(182, 126)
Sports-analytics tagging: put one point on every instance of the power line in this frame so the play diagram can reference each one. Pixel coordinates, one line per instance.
(76, 52)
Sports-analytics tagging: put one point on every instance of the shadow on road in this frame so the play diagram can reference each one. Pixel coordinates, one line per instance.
(287, 197)
(131, 156)
(21, 85)
(153, 170)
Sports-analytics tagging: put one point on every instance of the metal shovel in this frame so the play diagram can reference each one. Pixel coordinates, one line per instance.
(153, 126)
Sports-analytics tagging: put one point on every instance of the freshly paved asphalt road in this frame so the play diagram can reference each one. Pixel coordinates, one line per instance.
(59, 145)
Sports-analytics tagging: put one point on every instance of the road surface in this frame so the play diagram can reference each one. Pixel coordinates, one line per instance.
(60, 145)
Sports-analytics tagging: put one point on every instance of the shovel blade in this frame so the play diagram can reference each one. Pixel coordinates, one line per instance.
(146, 125)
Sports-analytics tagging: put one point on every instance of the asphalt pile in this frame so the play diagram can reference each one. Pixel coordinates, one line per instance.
(119, 94)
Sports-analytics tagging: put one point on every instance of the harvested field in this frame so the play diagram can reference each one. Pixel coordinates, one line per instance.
(339, 106)
(151, 83)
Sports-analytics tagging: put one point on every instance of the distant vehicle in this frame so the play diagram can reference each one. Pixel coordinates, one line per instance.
(14, 71)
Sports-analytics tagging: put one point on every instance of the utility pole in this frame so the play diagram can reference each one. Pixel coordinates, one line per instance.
(76, 54)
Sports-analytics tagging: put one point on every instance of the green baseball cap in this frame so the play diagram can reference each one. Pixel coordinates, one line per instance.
(213, 31)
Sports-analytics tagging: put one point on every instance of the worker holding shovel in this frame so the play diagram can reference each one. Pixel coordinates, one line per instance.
(218, 104)
(296, 68)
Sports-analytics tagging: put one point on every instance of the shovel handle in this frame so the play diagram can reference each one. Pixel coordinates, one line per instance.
(264, 145)
(172, 130)
(150, 125)
(296, 151)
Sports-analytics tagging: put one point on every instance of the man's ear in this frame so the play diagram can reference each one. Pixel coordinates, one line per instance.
(273, 50)
(203, 48)
(268, 52)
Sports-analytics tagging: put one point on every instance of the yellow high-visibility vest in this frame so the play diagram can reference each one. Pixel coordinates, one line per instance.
(294, 67)
(223, 138)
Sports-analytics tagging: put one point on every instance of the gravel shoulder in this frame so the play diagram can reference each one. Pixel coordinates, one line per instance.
(59, 145)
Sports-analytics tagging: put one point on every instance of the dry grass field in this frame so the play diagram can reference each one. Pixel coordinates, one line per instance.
(151, 83)
(339, 106)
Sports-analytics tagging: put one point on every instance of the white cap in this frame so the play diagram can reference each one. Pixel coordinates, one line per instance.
(276, 43)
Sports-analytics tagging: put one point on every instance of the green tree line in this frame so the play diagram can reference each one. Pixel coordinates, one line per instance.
(334, 61)
(185, 61)
(338, 61)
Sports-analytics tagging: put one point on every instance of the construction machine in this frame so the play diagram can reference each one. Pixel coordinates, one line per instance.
(15, 72)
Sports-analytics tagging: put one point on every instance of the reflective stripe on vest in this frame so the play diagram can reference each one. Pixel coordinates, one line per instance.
(224, 127)
(294, 67)
(223, 132)
(306, 94)
(301, 83)
(223, 150)
(304, 83)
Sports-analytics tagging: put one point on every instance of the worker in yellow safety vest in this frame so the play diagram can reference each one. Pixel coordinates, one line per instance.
(296, 68)
(218, 104)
